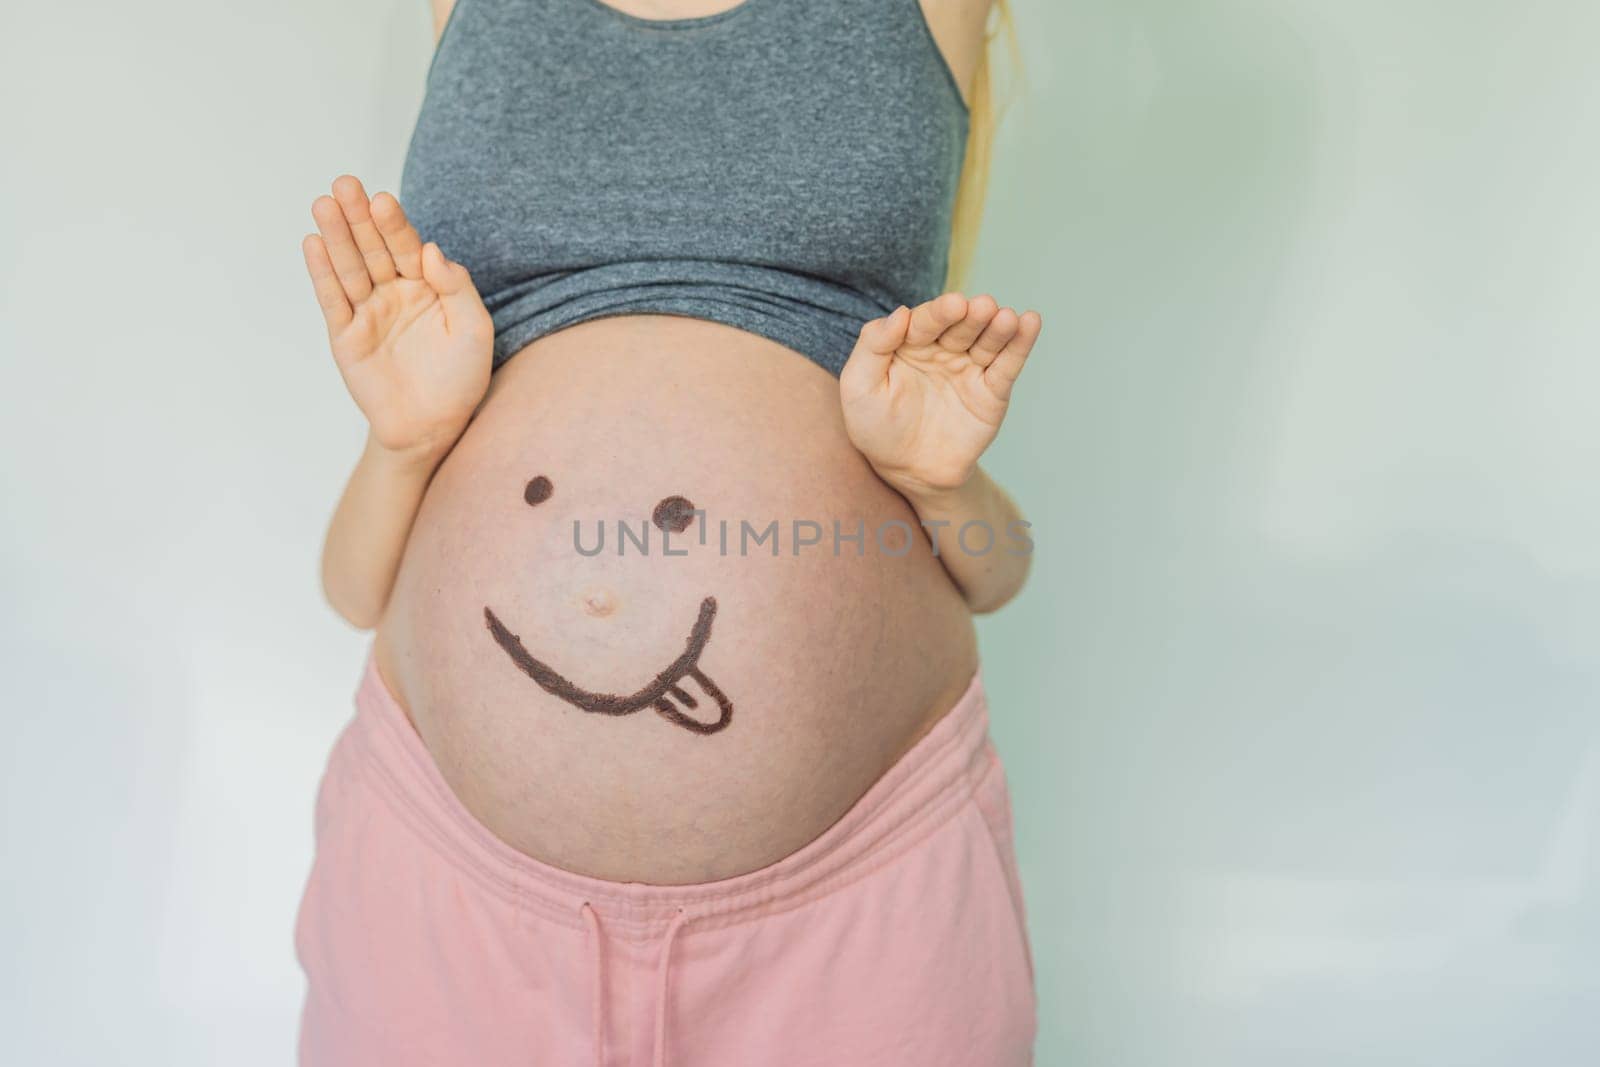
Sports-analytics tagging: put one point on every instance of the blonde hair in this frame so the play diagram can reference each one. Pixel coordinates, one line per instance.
(984, 113)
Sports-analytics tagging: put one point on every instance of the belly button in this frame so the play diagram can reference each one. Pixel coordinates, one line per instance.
(599, 602)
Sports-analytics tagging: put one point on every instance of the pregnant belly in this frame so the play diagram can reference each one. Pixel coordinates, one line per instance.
(657, 620)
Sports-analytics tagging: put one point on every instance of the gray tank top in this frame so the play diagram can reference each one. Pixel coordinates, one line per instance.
(787, 167)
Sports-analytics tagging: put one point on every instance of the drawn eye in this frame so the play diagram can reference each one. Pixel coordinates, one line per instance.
(538, 491)
(675, 513)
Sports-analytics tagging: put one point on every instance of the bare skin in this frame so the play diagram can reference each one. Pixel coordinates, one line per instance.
(923, 394)
(412, 340)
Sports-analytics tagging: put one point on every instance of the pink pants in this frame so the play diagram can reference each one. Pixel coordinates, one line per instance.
(896, 939)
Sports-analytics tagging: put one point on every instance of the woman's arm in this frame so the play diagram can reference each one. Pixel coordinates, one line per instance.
(414, 344)
(924, 393)
(957, 27)
(441, 15)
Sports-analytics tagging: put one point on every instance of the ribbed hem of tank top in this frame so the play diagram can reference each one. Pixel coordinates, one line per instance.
(818, 319)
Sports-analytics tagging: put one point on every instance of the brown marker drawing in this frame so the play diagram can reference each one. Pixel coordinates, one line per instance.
(674, 513)
(538, 490)
(655, 695)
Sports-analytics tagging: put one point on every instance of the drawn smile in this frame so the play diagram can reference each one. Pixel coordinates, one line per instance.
(659, 694)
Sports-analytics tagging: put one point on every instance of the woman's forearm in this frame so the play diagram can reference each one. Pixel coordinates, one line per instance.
(369, 529)
(980, 537)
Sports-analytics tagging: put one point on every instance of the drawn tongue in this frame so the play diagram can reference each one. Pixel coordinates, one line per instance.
(696, 704)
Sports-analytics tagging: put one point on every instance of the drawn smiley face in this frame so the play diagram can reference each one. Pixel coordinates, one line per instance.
(672, 514)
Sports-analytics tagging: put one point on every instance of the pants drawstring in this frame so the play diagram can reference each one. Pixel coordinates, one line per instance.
(663, 969)
(661, 985)
(599, 984)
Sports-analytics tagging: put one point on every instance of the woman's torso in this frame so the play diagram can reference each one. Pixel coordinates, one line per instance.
(639, 714)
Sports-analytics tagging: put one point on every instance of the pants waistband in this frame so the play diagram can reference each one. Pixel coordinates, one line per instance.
(919, 793)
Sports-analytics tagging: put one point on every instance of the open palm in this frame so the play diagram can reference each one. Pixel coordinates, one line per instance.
(409, 332)
(925, 391)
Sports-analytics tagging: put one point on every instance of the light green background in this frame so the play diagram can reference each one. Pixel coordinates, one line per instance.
(1299, 707)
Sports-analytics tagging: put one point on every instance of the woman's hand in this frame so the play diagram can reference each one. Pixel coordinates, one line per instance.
(409, 332)
(925, 390)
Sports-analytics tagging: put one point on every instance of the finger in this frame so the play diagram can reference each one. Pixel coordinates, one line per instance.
(876, 345)
(1002, 374)
(995, 336)
(330, 294)
(352, 198)
(884, 336)
(453, 284)
(404, 245)
(959, 337)
(931, 319)
(342, 250)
